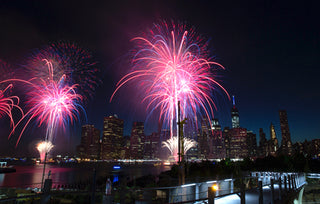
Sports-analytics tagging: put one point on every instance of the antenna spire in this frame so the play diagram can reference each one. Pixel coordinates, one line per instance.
(233, 101)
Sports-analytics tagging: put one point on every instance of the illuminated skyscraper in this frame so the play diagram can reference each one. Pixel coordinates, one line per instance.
(112, 139)
(226, 138)
(238, 147)
(273, 143)
(216, 142)
(203, 138)
(90, 146)
(152, 146)
(252, 144)
(215, 124)
(286, 144)
(238, 143)
(137, 140)
(234, 115)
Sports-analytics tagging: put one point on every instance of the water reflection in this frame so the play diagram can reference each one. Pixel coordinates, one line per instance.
(31, 176)
(1, 179)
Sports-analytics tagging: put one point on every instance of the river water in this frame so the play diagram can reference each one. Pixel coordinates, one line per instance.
(31, 175)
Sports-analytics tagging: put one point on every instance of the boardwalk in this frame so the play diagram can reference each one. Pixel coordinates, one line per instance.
(259, 187)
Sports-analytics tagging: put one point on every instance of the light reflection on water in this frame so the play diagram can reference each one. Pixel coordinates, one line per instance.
(31, 176)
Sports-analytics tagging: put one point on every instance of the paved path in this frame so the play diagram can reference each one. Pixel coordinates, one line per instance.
(252, 196)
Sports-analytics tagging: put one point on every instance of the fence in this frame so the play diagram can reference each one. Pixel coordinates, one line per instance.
(255, 184)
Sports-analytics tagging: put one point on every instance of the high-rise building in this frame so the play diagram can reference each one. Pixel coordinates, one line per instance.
(286, 144)
(215, 124)
(252, 144)
(238, 143)
(216, 142)
(238, 147)
(152, 146)
(234, 115)
(203, 138)
(226, 138)
(263, 143)
(112, 139)
(89, 147)
(273, 143)
(137, 140)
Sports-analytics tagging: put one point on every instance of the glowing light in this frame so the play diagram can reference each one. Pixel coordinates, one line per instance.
(215, 187)
(116, 167)
(172, 145)
(43, 148)
(188, 185)
(170, 65)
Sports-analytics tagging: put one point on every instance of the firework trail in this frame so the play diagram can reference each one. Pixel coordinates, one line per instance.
(7, 102)
(43, 148)
(171, 65)
(77, 65)
(52, 102)
(172, 145)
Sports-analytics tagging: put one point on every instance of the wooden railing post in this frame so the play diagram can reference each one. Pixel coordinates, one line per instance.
(280, 188)
(260, 193)
(285, 184)
(211, 195)
(242, 192)
(272, 191)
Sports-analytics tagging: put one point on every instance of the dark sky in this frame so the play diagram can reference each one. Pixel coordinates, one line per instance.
(271, 51)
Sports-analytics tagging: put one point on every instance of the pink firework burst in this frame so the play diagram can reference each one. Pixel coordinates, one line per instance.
(7, 101)
(77, 65)
(171, 64)
(51, 102)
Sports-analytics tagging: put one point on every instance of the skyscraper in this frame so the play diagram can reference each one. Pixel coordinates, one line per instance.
(238, 143)
(263, 143)
(237, 136)
(273, 143)
(90, 146)
(252, 144)
(226, 138)
(152, 146)
(112, 139)
(216, 141)
(234, 115)
(203, 139)
(137, 140)
(286, 144)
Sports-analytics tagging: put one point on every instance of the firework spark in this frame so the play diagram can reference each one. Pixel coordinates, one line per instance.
(43, 148)
(7, 102)
(51, 102)
(172, 145)
(77, 65)
(172, 65)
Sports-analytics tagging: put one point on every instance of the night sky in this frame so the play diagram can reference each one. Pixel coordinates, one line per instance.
(270, 49)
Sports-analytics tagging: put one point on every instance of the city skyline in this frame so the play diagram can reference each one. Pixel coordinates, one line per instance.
(270, 51)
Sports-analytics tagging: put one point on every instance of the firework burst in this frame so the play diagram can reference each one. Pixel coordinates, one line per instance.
(7, 102)
(44, 147)
(52, 102)
(171, 65)
(172, 145)
(69, 60)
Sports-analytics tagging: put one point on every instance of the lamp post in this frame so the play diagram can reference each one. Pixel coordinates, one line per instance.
(181, 148)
